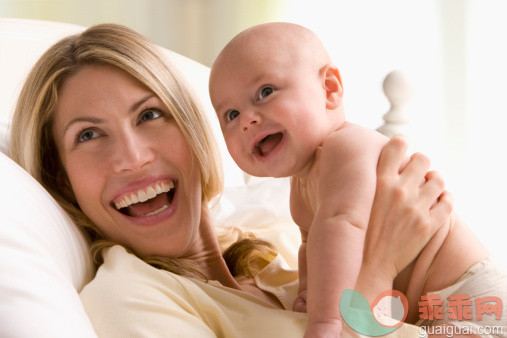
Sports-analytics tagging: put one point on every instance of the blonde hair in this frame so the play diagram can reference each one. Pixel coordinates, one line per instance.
(32, 145)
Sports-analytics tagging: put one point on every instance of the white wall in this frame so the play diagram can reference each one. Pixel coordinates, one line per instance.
(485, 188)
(455, 54)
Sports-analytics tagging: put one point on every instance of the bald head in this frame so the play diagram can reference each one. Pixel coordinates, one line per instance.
(285, 41)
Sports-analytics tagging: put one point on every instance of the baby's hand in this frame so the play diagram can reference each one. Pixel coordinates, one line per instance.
(323, 330)
(300, 302)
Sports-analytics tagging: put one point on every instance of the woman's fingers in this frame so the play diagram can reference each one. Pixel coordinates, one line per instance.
(431, 189)
(416, 169)
(441, 211)
(392, 156)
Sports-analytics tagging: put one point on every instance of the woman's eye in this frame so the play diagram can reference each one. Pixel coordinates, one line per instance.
(265, 91)
(87, 135)
(149, 115)
(231, 115)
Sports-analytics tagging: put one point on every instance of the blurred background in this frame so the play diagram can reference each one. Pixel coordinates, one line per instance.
(453, 52)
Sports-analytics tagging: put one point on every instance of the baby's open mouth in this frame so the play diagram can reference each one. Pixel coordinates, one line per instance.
(267, 144)
(148, 201)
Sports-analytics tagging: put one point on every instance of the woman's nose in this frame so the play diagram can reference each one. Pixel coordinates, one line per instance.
(249, 119)
(132, 152)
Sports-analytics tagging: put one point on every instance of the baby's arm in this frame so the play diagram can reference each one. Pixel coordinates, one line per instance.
(346, 188)
(300, 301)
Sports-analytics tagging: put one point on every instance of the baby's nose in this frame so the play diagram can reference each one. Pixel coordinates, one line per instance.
(249, 119)
(249, 123)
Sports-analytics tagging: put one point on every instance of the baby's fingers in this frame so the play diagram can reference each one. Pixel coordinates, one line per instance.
(431, 189)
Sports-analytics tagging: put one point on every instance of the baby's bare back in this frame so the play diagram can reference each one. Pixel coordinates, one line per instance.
(447, 256)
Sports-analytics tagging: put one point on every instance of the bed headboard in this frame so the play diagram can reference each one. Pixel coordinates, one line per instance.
(398, 91)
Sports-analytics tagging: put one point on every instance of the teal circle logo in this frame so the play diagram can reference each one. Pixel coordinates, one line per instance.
(385, 315)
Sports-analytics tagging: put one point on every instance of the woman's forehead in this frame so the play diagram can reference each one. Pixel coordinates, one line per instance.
(95, 85)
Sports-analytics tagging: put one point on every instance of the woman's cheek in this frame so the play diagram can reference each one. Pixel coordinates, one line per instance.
(87, 177)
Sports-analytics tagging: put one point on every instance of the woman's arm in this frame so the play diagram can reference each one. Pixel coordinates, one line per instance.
(410, 205)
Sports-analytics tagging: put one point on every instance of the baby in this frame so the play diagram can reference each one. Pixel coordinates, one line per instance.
(279, 101)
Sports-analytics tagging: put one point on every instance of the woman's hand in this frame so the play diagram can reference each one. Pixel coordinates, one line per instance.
(410, 205)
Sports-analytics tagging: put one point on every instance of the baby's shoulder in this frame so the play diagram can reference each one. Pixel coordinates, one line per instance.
(353, 140)
(350, 132)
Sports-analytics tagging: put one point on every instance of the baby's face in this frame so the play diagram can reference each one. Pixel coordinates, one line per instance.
(272, 109)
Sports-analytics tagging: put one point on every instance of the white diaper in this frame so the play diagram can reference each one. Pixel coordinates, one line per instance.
(484, 279)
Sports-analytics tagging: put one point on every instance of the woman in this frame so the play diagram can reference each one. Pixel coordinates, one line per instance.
(113, 133)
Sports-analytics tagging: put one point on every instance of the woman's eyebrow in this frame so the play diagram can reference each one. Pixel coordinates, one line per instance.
(83, 119)
(95, 120)
(136, 105)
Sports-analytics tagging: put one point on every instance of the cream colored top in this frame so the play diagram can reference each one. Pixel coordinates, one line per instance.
(129, 298)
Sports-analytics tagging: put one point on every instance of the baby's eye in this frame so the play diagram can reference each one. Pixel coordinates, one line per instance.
(87, 135)
(265, 91)
(149, 114)
(231, 115)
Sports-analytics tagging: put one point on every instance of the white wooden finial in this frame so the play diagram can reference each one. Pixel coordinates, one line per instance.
(399, 91)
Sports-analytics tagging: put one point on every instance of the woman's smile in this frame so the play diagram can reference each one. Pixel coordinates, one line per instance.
(138, 198)
(149, 205)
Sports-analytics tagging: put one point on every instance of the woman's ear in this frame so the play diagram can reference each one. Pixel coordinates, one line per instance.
(333, 87)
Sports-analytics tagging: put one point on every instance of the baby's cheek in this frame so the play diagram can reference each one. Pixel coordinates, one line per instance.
(237, 152)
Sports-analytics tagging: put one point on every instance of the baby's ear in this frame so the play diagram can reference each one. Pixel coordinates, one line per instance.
(333, 86)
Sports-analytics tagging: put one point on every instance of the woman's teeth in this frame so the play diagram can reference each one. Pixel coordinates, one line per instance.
(145, 194)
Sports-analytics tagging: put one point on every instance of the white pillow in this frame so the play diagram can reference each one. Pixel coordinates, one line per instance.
(43, 261)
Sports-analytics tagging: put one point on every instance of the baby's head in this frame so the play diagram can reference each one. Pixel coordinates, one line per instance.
(277, 96)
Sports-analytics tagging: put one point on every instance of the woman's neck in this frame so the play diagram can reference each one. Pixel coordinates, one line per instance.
(208, 255)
